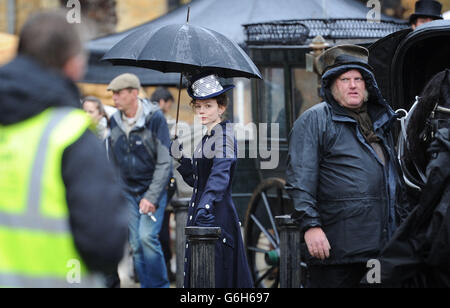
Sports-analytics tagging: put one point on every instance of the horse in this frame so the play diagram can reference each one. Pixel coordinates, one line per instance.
(418, 255)
(430, 112)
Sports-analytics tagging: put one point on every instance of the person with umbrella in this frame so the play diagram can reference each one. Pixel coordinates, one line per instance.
(204, 54)
(210, 172)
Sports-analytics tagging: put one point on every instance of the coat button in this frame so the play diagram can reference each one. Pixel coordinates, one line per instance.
(187, 245)
(207, 206)
(224, 240)
(190, 218)
(193, 204)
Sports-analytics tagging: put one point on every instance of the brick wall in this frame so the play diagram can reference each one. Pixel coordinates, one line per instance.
(136, 12)
(3, 18)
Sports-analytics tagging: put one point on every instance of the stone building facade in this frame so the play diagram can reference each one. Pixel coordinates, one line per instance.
(108, 15)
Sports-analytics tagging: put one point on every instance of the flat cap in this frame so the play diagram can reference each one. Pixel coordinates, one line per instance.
(124, 81)
(343, 55)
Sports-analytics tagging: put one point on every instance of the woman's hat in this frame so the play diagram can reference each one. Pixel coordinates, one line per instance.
(206, 86)
(426, 8)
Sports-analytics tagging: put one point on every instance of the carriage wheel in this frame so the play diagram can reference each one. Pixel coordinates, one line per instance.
(262, 239)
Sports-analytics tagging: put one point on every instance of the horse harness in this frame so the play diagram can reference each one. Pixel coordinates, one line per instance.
(431, 126)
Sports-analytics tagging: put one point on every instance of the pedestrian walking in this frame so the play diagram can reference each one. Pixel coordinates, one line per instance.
(210, 172)
(140, 148)
(61, 216)
(341, 171)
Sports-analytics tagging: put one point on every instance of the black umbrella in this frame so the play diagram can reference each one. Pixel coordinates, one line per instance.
(183, 48)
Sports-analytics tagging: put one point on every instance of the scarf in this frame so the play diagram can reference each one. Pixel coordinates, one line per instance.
(366, 127)
(365, 123)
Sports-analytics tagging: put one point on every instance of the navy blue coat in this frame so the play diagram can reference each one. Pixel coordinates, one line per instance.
(210, 173)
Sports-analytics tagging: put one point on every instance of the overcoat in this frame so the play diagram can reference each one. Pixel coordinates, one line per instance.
(210, 172)
(338, 182)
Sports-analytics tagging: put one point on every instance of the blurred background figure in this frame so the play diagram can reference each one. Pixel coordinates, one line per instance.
(140, 148)
(425, 11)
(163, 98)
(94, 108)
(61, 210)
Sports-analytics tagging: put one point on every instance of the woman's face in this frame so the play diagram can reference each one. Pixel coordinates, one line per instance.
(208, 111)
(92, 110)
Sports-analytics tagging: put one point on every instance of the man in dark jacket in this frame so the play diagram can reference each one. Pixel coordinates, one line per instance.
(140, 147)
(38, 83)
(341, 171)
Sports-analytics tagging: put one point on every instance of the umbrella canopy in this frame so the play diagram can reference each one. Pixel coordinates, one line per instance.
(227, 18)
(183, 48)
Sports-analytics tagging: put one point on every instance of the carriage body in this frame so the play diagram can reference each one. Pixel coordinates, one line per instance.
(406, 60)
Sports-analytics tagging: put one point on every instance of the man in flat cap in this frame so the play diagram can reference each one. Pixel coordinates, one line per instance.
(341, 171)
(140, 148)
(425, 11)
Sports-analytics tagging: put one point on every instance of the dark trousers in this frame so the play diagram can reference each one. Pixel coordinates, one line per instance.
(336, 276)
(112, 280)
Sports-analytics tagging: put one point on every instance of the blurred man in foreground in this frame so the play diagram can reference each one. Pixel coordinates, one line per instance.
(61, 211)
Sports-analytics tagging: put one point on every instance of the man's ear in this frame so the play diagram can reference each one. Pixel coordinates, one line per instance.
(75, 67)
(135, 92)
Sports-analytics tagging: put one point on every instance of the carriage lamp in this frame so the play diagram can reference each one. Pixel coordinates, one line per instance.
(318, 45)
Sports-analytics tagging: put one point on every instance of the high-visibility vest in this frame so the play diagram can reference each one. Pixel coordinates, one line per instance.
(36, 245)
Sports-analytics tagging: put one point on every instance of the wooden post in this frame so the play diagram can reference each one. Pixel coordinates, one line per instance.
(180, 208)
(202, 242)
(290, 263)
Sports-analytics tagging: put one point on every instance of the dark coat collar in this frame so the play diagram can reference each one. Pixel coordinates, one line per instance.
(27, 89)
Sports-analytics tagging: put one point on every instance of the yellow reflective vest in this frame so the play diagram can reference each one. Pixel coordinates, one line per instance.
(36, 245)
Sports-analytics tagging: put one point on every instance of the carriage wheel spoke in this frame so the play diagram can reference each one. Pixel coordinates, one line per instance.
(256, 249)
(264, 276)
(269, 212)
(280, 197)
(263, 230)
(276, 282)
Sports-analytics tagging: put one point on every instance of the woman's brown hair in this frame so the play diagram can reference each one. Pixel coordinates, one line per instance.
(222, 100)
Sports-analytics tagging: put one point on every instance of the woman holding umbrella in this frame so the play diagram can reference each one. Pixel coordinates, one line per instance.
(189, 49)
(210, 172)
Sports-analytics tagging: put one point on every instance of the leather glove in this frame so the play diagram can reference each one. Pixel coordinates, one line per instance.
(176, 149)
(204, 218)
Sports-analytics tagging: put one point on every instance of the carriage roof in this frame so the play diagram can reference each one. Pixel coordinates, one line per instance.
(405, 60)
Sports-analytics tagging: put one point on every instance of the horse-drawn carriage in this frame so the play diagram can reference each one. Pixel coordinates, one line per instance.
(284, 53)
(403, 62)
